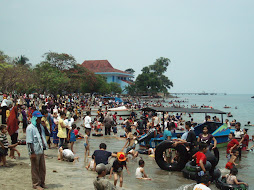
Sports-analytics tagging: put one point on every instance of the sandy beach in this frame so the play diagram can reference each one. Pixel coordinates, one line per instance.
(60, 174)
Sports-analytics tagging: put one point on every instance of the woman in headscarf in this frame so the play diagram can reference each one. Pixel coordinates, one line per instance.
(12, 128)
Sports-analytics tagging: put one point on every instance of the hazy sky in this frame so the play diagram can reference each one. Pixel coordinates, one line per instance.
(210, 43)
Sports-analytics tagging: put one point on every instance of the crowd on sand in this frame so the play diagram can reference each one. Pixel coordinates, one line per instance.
(51, 121)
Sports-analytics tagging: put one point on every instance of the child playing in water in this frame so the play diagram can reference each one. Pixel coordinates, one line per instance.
(130, 142)
(201, 158)
(231, 178)
(91, 165)
(231, 163)
(71, 136)
(117, 168)
(140, 171)
(86, 144)
(233, 143)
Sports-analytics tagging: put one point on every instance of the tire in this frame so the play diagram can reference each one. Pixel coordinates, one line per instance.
(216, 174)
(222, 185)
(183, 156)
(191, 167)
(213, 156)
(189, 175)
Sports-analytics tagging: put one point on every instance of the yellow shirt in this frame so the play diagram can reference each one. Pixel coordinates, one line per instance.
(7, 113)
(61, 131)
(46, 122)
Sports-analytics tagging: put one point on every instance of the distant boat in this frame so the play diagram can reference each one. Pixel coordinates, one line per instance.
(252, 97)
(203, 93)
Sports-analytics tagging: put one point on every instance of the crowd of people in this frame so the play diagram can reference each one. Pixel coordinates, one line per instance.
(51, 122)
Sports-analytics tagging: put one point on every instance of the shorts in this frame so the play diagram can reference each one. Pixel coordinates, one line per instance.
(120, 174)
(3, 152)
(14, 138)
(88, 129)
(229, 165)
(85, 144)
(24, 124)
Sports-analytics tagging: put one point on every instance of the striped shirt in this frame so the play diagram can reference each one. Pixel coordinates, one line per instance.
(3, 139)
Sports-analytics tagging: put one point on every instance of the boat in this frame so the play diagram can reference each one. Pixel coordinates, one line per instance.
(203, 93)
(122, 110)
(252, 97)
(219, 130)
(229, 114)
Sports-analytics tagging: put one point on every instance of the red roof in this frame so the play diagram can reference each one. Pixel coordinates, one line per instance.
(98, 66)
(129, 82)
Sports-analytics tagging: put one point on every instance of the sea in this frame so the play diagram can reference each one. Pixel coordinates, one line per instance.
(174, 180)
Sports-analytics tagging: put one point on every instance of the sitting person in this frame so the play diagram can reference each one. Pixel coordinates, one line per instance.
(91, 165)
(201, 158)
(77, 133)
(231, 178)
(100, 183)
(140, 171)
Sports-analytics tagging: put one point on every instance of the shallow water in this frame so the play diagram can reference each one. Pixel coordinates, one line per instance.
(174, 180)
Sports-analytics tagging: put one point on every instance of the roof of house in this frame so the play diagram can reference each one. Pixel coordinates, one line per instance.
(101, 66)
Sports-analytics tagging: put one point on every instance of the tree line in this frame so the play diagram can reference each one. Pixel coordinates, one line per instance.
(60, 73)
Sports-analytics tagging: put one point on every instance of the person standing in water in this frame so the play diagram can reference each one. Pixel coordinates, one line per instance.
(207, 138)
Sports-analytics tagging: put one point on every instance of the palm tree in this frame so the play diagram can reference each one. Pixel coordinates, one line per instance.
(22, 61)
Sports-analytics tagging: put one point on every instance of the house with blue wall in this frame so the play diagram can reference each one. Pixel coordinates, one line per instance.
(104, 68)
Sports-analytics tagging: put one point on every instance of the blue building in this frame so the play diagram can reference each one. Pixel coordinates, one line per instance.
(103, 67)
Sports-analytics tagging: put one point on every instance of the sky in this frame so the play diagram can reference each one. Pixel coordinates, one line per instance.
(210, 43)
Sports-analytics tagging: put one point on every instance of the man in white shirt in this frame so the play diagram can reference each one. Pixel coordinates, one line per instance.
(239, 136)
(88, 121)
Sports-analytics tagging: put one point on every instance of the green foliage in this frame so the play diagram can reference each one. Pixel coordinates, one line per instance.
(22, 61)
(152, 80)
(130, 70)
(115, 88)
(49, 78)
(60, 60)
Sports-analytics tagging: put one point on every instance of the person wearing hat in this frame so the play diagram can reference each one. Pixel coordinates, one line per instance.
(36, 143)
(117, 168)
(100, 183)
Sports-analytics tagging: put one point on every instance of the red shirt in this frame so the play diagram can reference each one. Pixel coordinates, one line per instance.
(246, 140)
(231, 144)
(200, 156)
(75, 132)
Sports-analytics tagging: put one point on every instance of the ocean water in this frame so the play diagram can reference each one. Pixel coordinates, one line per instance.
(174, 180)
(243, 102)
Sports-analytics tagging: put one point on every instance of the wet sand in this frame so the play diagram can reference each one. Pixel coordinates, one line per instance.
(65, 175)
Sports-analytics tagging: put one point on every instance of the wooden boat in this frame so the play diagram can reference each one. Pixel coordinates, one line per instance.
(219, 130)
